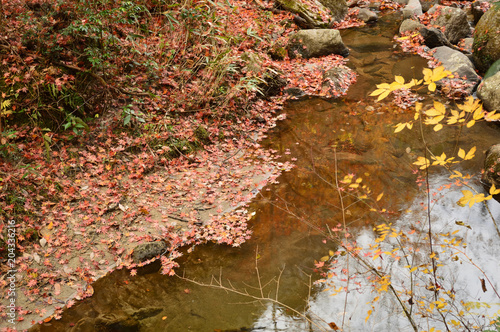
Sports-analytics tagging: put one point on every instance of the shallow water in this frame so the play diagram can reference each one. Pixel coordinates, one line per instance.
(329, 139)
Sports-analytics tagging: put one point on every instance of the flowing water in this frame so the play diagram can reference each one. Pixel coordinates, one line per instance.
(330, 139)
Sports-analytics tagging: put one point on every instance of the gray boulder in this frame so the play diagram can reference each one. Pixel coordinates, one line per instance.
(456, 62)
(489, 92)
(315, 43)
(410, 25)
(412, 9)
(486, 46)
(453, 20)
(367, 15)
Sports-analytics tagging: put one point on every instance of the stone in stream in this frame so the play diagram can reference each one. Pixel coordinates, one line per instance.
(410, 25)
(315, 43)
(453, 20)
(489, 92)
(434, 37)
(486, 46)
(491, 174)
(367, 15)
(412, 9)
(457, 62)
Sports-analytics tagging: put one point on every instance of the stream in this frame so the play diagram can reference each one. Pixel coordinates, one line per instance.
(329, 139)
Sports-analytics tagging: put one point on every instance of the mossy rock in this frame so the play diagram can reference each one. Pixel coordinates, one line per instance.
(486, 46)
(494, 68)
(491, 174)
(338, 8)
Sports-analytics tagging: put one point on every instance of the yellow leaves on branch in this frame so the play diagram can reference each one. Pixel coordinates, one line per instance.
(422, 162)
(433, 75)
(471, 198)
(435, 115)
(469, 155)
(384, 89)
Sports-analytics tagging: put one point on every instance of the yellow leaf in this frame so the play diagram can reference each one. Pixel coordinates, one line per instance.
(471, 123)
(331, 253)
(383, 95)
(494, 190)
(399, 127)
(422, 162)
(432, 87)
(377, 92)
(470, 154)
(461, 153)
(399, 79)
(379, 197)
(438, 127)
(413, 269)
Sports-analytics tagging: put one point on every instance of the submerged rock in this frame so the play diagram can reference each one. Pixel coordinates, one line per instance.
(486, 46)
(316, 42)
(453, 20)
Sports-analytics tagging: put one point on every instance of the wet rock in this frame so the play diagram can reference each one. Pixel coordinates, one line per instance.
(434, 38)
(491, 173)
(486, 46)
(316, 42)
(410, 25)
(412, 9)
(146, 251)
(456, 62)
(367, 15)
(338, 8)
(489, 92)
(453, 20)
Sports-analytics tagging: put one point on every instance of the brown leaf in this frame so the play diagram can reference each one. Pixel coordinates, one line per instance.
(483, 285)
(333, 326)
